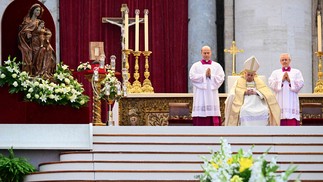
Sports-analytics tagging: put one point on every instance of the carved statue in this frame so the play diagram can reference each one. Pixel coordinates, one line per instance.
(38, 56)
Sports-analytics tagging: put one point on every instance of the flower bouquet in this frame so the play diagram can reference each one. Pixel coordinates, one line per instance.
(224, 166)
(62, 89)
(111, 87)
(111, 92)
(84, 66)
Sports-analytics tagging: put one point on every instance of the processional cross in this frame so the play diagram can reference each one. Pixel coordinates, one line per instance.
(233, 50)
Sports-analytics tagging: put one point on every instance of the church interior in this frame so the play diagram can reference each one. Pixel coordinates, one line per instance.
(97, 90)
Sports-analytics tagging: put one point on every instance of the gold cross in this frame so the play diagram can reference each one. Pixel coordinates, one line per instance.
(233, 50)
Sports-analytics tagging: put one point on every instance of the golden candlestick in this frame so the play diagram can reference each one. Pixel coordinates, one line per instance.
(147, 86)
(96, 110)
(128, 84)
(136, 85)
(233, 50)
(319, 84)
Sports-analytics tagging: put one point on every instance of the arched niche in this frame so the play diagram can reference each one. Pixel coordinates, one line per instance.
(12, 17)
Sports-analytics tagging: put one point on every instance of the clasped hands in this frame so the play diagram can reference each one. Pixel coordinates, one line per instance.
(250, 91)
(286, 77)
(208, 73)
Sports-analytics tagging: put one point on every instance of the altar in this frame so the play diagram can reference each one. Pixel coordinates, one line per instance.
(152, 109)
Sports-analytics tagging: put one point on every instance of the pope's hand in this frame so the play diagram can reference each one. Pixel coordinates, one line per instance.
(250, 92)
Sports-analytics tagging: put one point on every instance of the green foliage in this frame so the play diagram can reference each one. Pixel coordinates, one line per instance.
(14, 169)
(62, 89)
(224, 166)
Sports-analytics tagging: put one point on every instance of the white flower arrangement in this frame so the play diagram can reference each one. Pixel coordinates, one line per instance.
(84, 66)
(111, 87)
(62, 89)
(224, 166)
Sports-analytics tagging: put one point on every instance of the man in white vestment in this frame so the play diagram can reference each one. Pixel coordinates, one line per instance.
(286, 83)
(206, 76)
(250, 102)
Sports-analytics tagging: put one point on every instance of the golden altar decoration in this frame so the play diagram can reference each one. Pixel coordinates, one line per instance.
(153, 109)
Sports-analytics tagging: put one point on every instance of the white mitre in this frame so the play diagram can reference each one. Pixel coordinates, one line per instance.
(251, 64)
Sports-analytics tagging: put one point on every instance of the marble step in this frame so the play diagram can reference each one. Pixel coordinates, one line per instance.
(202, 147)
(209, 138)
(151, 175)
(152, 165)
(179, 156)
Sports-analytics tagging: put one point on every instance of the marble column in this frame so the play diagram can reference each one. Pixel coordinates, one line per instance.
(201, 30)
(266, 29)
(229, 37)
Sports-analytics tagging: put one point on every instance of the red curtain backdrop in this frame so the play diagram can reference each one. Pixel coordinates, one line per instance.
(13, 16)
(81, 23)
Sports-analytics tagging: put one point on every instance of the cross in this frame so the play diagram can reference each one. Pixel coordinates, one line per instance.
(121, 23)
(233, 50)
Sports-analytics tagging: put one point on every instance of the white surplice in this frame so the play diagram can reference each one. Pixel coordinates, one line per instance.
(205, 90)
(287, 93)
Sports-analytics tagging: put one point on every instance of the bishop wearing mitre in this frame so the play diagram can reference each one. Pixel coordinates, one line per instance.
(250, 102)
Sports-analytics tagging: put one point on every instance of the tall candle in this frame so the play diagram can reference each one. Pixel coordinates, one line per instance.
(137, 30)
(126, 29)
(146, 29)
(319, 31)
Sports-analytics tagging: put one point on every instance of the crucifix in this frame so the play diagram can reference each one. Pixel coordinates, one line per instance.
(124, 22)
(121, 23)
(233, 50)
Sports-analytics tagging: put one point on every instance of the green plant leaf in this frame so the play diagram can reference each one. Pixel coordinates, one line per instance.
(14, 169)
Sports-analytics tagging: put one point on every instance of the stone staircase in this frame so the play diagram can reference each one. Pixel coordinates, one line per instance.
(172, 154)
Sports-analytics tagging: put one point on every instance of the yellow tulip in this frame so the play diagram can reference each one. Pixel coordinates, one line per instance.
(245, 163)
(216, 166)
(230, 160)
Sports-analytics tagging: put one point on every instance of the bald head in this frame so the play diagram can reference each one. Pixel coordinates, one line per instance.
(206, 48)
(206, 52)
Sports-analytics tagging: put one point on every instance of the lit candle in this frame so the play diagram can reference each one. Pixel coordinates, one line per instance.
(319, 31)
(126, 29)
(146, 29)
(137, 30)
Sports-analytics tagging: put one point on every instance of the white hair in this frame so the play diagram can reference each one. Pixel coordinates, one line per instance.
(285, 54)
